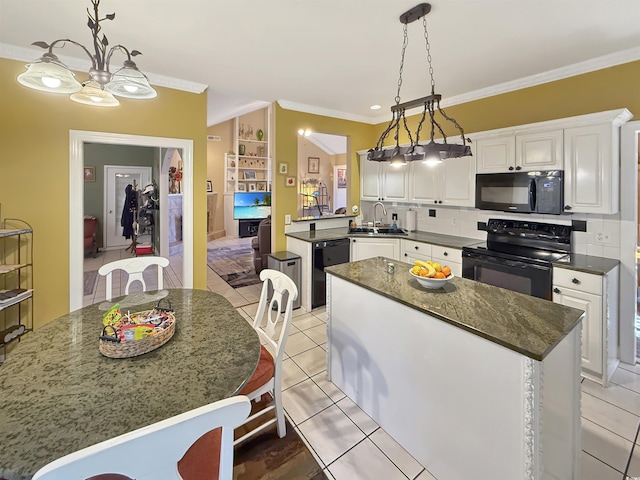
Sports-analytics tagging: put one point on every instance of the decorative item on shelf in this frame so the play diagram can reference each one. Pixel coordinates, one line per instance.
(49, 74)
(241, 149)
(290, 182)
(250, 175)
(249, 132)
(431, 152)
(260, 150)
(262, 186)
(313, 165)
(232, 164)
(242, 187)
(259, 134)
(252, 187)
(241, 131)
(283, 168)
(175, 176)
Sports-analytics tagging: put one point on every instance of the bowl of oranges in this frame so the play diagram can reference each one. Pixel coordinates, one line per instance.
(431, 274)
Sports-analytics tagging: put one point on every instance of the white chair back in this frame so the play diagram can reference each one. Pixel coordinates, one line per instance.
(269, 318)
(134, 266)
(153, 452)
(270, 313)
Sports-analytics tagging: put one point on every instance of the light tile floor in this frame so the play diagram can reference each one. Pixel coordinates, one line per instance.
(350, 446)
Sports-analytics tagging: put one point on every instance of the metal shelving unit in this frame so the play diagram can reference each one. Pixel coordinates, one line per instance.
(16, 282)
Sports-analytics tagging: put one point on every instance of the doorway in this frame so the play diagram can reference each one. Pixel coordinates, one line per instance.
(322, 174)
(77, 139)
(117, 178)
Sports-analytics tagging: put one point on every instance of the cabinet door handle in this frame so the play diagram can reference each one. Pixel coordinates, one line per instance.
(556, 290)
(354, 240)
(445, 254)
(510, 168)
(576, 281)
(406, 254)
(567, 207)
(416, 247)
(518, 167)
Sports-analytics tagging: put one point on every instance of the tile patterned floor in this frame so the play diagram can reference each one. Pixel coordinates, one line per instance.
(350, 446)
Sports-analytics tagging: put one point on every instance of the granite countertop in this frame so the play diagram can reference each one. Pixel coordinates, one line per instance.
(587, 263)
(59, 394)
(450, 241)
(528, 325)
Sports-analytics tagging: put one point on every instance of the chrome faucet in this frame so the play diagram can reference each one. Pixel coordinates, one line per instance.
(384, 211)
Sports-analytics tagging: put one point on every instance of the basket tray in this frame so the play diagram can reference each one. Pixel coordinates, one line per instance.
(139, 347)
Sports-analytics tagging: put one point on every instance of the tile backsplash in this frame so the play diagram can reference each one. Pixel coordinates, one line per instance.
(601, 239)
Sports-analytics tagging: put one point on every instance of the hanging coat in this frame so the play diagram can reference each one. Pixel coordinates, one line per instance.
(128, 211)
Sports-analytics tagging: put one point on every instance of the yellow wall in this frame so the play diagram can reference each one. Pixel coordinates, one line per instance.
(34, 161)
(607, 89)
(216, 169)
(359, 136)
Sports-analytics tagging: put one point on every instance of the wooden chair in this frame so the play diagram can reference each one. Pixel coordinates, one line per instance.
(134, 267)
(269, 317)
(159, 451)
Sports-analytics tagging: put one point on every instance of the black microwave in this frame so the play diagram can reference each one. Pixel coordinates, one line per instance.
(521, 192)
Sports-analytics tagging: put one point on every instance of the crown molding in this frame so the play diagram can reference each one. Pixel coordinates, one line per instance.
(326, 112)
(13, 52)
(598, 63)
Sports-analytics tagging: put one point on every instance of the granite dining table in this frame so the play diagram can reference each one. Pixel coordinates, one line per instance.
(59, 394)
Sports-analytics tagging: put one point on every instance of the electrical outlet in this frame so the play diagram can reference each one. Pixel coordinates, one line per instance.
(287, 219)
(454, 221)
(602, 238)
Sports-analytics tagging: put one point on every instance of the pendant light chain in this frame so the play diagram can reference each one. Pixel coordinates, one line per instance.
(426, 39)
(405, 42)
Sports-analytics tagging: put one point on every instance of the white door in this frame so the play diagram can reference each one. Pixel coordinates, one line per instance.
(116, 180)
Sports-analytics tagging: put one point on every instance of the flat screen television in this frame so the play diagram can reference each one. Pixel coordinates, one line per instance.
(251, 205)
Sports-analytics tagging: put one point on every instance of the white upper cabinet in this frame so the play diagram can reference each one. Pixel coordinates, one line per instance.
(592, 171)
(539, 150)
(381, 181)
(535, 150)
(450, 183)
(496, 154)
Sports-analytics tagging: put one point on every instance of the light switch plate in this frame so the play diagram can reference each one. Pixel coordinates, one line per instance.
(287, 219)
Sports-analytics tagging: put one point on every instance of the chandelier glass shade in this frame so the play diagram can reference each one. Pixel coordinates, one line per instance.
(431, 151)
(49, 74)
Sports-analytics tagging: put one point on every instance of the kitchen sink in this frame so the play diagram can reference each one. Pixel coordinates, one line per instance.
(377, 231)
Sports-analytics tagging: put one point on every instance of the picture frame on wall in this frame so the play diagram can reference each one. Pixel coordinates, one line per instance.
(249, 175)
(252, 187)
(283, 168)
(262, 186)
(242, 187)
(313, 164)
(89, 174)
(290, 182)
(209, 186)
(342, 178)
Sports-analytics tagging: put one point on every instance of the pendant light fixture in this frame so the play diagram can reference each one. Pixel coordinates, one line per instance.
(49, 74)
(431, 151)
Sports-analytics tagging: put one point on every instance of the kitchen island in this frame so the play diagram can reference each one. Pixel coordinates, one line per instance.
(473, 380)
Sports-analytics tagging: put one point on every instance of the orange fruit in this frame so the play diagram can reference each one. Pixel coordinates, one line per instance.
(439, 275)
(424, 272)
(446, 271)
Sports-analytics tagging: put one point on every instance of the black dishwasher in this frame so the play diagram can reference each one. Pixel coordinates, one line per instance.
(325, 254)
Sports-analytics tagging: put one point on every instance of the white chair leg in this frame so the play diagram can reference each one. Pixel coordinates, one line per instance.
(282, 428)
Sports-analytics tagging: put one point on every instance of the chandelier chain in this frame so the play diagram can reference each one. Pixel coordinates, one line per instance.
(426, 39)
(405, 42)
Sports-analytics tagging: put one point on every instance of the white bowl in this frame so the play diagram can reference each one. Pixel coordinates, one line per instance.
(431, 282)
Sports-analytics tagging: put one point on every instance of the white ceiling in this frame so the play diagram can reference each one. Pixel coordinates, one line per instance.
(337, 57)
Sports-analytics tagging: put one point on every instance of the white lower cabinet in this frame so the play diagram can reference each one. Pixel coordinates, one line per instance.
(412, 250)
(597, 296)
(362, 247)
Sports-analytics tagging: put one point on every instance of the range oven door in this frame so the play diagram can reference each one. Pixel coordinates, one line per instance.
(520, 276)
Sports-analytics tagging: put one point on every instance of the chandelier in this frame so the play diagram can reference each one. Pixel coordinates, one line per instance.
(49, 74)
(432, 151)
